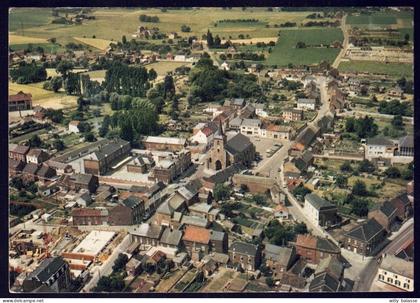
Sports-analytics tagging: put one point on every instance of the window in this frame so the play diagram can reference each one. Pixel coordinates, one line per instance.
(381, 277)
(389, 280)
(406, 285)
(398, 283)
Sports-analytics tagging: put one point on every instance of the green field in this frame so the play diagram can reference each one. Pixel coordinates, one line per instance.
(112, 24)
(391, 69)
(381, 19)
(48, 47)
(285, 51)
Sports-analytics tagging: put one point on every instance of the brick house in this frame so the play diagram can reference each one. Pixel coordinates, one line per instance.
(385, 215)
(365, 238)
(218, 241)
(292, 114)
(146, 233)
(19, 153)
(403, 205)
(328, 276)
(46, 173)
(20, 101)
(90, 216)
(313, 249)
(29, 172)
(196, 241)
(279, 259)
(130, 211)
(15, 167)
(79, 181)
(245, 255)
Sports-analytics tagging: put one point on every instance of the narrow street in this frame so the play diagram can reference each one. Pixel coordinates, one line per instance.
(345, 43)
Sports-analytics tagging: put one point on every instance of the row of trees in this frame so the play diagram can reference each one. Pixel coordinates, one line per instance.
(127, 80)
(280, 234)
(394, 107)
(146, 18)
(28, 73)
(363, 127)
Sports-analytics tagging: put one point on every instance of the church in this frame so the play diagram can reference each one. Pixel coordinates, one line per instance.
(238, 149)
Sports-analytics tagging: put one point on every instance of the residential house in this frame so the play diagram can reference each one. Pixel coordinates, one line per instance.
(129, 212)
(384, 215)
(365, 238)
(320, 211)
(147, 234)
(235, 103)
(235, 124)
(274, 131)
(306, 104)
(53, 272)
(74, 126)
(396, 272)
(251, 127)
(196, 241)
(292, 114)
(219, 241)
(305, 138)
(221, 176)
(79, 181)
(37, 156)
(141, 164)
(90, 216)
(380, 147)
(204, 210)
(19, 153)
(83, 198)
(170, 167)
(406, 146)
(312, 249)
(328, 276)
(404, 206)
(206, 134)
(15, 167)
(46, 173)
(20, 101)
(279, 259)
(259, 110)
(396, 92)
(245, 255)
(304, 160)
(171, 238)
(29, 172)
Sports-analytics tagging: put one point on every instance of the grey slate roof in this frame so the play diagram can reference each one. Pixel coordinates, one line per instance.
(388, 209)
(30, 168)
(236, 122)
(281, 255)
(200, 207)
(317, 201)
(307, 136)
(223, 175)
(47, 269)
(82, 178)
(398, 266)
(381, 141)
(327, 245)
(194, 220)
(332, 265)
(306, 101)
(324, 282)
(251, 122)
(171, 237)
(165, 208)
(132, 202)
(238, 144)
(407, 141)
(110, 148)
(21, 149)
(244, 248)
(148, 230)
(216, 235)
(366, 231)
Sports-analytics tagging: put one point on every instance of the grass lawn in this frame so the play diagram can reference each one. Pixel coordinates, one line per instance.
(43, 97)
(285, 51)
(216, 284)
(381, 19)
(49, 48)
(392, 69)
(389, 191)
(22, 18)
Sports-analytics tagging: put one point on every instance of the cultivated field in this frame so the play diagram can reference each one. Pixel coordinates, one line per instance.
(101, 44)
(45, 98)
(381, 19)
(18, 39)
(285, 51)
(162, 68)
(391, 69)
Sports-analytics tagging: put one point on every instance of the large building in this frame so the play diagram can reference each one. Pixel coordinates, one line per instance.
(238, 149)
(54, 273)
(170, 166)
(245, 255)
(380, 147)
(164, 143)
(101, 160)
(20, 101)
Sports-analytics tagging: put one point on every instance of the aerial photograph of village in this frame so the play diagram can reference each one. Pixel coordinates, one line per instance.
(211, 150)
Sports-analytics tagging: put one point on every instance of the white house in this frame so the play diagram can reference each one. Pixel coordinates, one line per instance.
(308, 104)
(380, 147)
(204, 133)
(319, 211)
(259, 110)
(251, 127)
(396, 272)
(180, 58)
(74, 126)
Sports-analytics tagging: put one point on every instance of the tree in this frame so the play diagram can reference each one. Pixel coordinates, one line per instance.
(217, 41)
(58, 145)
(120, 262)
(341, 181)
(152, 75)
(89, 137)
(300, 228)
(392, 172)
(124, 39)
(126, 131)
(72, 84)
(56, 83)
(17, 182)
(366, 166)
(359, 207)
(359, 188)
(221, 192)
(209, 38)
(301, 191)
(84, 127)
(64, 67)
(259, 199)
(35, 141)
(397, 122)
(185, 28)
(346, 167)
(168, 87)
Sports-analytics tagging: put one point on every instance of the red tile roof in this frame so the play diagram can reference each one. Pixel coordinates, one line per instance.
(197, 234)
(20, 96)
(306, 241)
